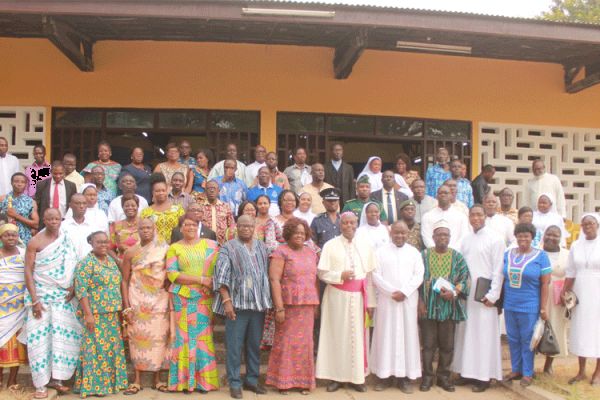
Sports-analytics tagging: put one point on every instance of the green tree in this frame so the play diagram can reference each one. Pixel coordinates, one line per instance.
(574, 11)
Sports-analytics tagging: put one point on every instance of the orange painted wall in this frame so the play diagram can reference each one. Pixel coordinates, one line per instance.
(289, 78)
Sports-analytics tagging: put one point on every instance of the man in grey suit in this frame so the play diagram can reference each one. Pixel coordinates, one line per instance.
(340, 174)
(195, 212)
(389, 197)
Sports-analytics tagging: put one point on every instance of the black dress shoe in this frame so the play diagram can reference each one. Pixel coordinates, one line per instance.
(405, 386)
(333, 386)
(382, 384)
(236, 393)
(426, 383)
(446, 385)
(480, 386)
(460, 381)
(361, 388)
(258, 389)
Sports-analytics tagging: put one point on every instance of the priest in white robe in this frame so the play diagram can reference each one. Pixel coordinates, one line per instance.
(345, 266)
(543, 182)
(477, 347)
(395, 350)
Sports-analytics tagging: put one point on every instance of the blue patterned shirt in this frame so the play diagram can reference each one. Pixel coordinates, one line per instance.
(434, 178)
(23, 204)
(232, 192)
(190, 162)
(104, 199)
(464, 191)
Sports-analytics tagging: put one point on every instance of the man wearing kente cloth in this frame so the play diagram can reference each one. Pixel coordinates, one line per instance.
(440, 310)
(345, 266)
(52, 331)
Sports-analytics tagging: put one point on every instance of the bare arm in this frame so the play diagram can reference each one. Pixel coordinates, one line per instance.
(544, 292)
(275, 274)
(126, 274)
(30, 253)
(190, 181)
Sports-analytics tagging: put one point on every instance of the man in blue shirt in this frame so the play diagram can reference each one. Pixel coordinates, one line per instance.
(464, 191)
(267, 188)
(232, 190)
(438, 173)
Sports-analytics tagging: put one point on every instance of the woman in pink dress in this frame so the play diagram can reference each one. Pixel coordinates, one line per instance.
(295, 294)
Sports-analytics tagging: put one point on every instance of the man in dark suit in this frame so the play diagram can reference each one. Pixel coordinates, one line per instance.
(55, 192)
(340, 174)
(389, 197)
(194, 210)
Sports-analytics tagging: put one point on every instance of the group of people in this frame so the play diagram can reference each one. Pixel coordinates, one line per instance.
(388, 267)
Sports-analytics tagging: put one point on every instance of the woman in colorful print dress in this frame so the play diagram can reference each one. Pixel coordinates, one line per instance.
(265, 226)
(172, 165)
(124, 234)
(146, 303)
(198, 174)
(164, 214)
(20, 208)
(293, 276)
(112, 169)
(190, 267)
(102, 366)
(12, 292)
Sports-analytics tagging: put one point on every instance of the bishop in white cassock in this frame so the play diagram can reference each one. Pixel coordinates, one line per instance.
(345, 266)
(477, 348)
(395, 350)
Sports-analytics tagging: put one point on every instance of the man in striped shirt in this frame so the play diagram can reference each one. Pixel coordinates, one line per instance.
(241, 282)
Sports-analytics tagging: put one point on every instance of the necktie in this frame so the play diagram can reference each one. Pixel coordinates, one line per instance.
(390, 212)
(55, 202)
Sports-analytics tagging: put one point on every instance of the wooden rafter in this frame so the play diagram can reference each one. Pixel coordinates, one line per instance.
(592, 77)
(348, 53)
(73, 44)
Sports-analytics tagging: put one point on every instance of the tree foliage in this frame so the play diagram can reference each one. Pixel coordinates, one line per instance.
(574, 11)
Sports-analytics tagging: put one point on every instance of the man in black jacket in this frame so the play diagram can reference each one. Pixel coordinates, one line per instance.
(195, 212)
(55, 192)
(389, 197)
(340, 174)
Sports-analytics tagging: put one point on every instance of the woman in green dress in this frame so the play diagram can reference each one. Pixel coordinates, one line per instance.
(190, 267)
(112, 169)
(164, 214)
(102, 366)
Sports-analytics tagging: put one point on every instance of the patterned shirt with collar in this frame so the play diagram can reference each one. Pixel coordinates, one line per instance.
(464, 191)
(104, 198)
(232, 192)
(218, 217)
(434, 178)
(36, 173)
(512, 214)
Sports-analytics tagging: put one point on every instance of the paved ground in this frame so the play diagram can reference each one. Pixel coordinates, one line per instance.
(497, 393)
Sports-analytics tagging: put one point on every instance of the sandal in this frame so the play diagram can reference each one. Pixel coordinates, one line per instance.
(41, 394)
(161, 387)
(15, 389)
(60, 389)
(132, 389)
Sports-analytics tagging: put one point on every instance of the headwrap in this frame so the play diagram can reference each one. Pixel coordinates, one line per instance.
(8, 228)
(347, 214)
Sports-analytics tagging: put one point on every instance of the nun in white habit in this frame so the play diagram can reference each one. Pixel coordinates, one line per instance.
(370, 228)
(546, 215)
(372, 169)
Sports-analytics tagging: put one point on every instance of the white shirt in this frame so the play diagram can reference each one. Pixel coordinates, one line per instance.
(545, 183)
(459, 226)
(219, 170)
(252, 171)
(9, 165)
(78, 233)
(62, 196)
(95, 216)
(503, 227)
(336, 164)
(115, 209)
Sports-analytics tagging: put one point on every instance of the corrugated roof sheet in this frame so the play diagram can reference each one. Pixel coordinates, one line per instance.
(372, 4)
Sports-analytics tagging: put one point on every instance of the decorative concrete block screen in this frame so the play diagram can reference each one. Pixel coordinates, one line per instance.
(571, 153)
(23, 127)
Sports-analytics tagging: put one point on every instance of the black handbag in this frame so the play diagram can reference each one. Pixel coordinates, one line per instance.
(548, 344)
